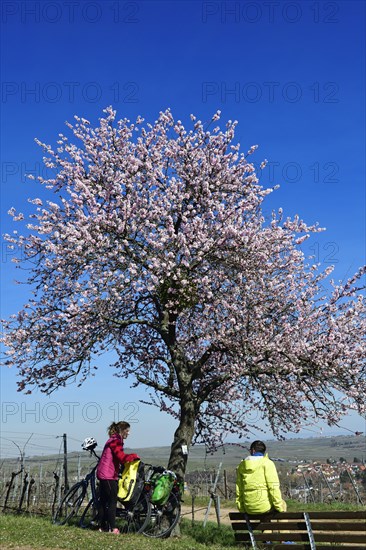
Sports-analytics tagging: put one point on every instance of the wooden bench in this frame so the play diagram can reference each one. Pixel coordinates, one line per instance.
(303, 530)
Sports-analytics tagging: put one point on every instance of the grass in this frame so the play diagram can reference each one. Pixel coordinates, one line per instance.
(296, 506)
(23, 532)
(292, 505)
(27, 532)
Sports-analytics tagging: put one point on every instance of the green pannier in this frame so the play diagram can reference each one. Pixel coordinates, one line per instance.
(162, 486)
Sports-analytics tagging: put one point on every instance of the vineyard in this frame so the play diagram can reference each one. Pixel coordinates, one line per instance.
(36, 484)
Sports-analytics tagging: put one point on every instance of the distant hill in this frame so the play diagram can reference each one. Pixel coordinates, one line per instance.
(297, 450)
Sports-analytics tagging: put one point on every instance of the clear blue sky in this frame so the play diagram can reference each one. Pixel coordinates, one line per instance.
(291, 73)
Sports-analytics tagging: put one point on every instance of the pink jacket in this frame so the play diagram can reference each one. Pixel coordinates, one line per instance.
(112, 457)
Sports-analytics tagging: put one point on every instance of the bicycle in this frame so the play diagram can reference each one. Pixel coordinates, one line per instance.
(165, 516)
(72, 500)
(131, 517)
(143, 516)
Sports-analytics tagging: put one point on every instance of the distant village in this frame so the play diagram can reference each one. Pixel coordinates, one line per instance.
(331, 481)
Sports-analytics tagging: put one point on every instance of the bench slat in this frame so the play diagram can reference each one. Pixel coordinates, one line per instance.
(273, 537)
(307, 547)
(301, 526)
(269, 527)
(241, 538)
(349, 527)
(357, 515)
(235, 516)
(346, 526)
(360, 514)
(341, 537)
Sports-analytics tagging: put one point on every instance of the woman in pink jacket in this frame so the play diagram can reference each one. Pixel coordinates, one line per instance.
(107, 473)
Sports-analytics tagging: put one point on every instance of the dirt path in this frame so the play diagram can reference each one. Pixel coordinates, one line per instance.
(199, 514)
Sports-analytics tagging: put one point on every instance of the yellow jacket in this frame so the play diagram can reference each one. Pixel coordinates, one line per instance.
(258, 486)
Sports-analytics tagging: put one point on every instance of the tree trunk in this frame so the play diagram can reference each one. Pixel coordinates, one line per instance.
(183, 435)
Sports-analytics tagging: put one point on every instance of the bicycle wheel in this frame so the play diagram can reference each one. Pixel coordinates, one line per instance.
(134, 519)
(163, 518)
(70, 504)
(89, 517)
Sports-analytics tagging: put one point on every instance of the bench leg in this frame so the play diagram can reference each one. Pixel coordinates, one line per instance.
(310, 531)
(251, 534)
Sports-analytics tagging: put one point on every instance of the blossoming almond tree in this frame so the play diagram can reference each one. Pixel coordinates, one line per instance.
(155, 246)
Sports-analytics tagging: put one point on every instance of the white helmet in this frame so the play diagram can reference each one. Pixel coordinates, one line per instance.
(89, 444)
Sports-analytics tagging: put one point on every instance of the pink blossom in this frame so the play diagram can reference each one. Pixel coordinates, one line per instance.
(153, 243)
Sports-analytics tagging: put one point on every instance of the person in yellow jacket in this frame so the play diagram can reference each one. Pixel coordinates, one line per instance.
(257, 484)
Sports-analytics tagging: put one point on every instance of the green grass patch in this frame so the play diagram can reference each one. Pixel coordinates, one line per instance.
(292, 505)
(25, 532)
(29, 532)
(210, 535)
(296, 506)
